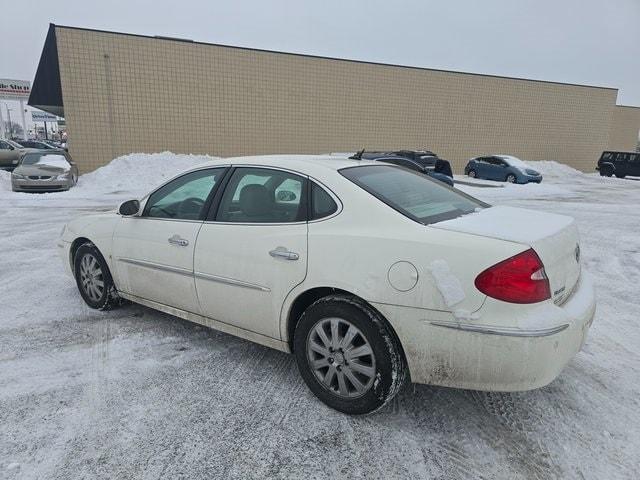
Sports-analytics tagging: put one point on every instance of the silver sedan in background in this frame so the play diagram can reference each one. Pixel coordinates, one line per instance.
(44, 171)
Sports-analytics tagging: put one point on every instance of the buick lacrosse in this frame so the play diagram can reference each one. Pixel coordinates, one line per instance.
(370, 274)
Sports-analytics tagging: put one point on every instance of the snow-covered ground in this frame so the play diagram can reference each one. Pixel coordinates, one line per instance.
(134, 393)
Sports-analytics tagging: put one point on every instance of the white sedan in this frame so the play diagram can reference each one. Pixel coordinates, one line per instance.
(369, 273)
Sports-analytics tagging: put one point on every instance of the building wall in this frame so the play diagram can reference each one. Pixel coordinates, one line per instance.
(625, 129)
(126, 93)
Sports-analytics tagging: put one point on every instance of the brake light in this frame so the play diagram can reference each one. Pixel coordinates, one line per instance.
(519, 279)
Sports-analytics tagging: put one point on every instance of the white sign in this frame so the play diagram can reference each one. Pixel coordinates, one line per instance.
(42, 117)
(14, 89)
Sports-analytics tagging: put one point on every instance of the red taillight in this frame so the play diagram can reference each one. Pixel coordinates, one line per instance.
(519, 279)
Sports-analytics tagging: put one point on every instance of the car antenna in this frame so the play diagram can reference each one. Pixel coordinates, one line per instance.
(357, 156)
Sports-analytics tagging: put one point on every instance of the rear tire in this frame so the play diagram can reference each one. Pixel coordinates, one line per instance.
(511, 178)
(348, 355)
(93, 278)
(620, 175)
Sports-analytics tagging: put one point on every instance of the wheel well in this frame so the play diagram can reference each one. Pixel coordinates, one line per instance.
(74, 248)
(302, 302)
(305, 299)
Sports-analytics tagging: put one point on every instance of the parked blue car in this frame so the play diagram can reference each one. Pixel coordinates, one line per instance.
(503, 168)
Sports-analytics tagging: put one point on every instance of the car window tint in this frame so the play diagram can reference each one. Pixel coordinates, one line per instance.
(322, 205)
(412, 194)
(183, 198)
(261, 195)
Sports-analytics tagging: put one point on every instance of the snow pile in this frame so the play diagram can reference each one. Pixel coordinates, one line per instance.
(552, 170)
(125, 177)
(136, 173)
(5, 181)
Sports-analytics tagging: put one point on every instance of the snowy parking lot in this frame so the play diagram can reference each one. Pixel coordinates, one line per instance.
(133, 393)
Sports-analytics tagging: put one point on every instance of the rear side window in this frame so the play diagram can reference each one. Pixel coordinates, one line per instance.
(414, 195)
(322, 205)
(263, 195)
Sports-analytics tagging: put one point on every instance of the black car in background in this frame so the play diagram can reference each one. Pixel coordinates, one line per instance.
(619, 164)
(430, 165)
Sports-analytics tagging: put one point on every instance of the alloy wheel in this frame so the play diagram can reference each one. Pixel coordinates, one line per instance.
(91, 277)
(341, 357)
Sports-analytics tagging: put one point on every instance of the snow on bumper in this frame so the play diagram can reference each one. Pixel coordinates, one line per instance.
(467, 354)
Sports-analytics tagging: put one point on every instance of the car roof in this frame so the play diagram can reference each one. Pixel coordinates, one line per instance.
(307, 164)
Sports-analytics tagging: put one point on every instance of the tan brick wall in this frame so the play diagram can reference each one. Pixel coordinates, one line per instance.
(624, 129)
(127, 94)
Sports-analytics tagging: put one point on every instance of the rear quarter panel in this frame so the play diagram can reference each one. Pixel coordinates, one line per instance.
(355, 250)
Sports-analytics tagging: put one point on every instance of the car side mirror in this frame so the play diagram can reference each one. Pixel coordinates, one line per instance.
(129, 208)
(286, 196)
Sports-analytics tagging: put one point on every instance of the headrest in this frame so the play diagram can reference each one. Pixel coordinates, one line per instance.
(255, 200)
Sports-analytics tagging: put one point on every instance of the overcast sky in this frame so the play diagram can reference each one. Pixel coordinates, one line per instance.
(578, 41)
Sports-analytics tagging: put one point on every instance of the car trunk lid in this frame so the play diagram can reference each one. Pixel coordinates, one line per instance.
(553, 237)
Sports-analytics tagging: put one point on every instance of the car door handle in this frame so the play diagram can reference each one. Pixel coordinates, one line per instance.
(282, 252)
(178, 240)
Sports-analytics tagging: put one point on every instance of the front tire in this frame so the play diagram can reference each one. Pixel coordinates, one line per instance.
(472, 174)
(348, 355)
(93, 278)
(606, 171)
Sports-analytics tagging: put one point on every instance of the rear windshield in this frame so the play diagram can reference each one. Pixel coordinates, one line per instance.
(413, 194)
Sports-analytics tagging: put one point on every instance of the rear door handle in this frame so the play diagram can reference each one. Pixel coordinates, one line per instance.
(178, 240)
(282, 252)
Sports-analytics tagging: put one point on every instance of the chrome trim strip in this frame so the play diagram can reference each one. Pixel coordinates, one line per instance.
(230, 281)
(157, 266)
(503, 331)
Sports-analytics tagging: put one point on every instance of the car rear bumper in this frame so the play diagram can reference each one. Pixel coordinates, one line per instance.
(471, 354)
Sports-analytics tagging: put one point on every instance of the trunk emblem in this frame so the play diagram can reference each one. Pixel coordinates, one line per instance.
(577, 253)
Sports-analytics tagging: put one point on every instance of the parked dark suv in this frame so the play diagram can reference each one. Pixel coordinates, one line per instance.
(423, 161)
(619, 164)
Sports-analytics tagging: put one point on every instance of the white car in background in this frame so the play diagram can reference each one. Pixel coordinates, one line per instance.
(369, 273)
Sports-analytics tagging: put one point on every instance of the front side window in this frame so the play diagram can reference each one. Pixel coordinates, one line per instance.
(414, 195)
(5, 146)
(261, 195)
(183, 198)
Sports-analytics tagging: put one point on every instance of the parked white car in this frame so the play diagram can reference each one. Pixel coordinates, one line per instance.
(369, 273)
